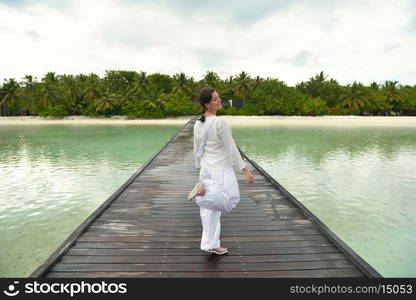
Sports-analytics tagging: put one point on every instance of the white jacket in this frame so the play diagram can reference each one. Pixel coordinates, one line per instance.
(220, 149)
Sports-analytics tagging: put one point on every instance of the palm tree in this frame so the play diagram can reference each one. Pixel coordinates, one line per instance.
(355, 98)
(49, 90)
(28, 82)
(30, 87)
(9, 96)
(93, 89)
(321, 77)
(182, 85)
(242, 86)
(71, 94)
(211, 79)
(129, 98)
(257, 81)
(194, 88)
(392, 94)
(107, 103)
(374, 86)
(50, 77)
(149, 105)
(227, 88)
(141, 86)
(160, 104)
(230, 80)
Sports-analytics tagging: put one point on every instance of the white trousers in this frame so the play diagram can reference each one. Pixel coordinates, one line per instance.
(222, 195)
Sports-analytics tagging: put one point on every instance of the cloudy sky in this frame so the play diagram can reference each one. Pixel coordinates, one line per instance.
(350, 40)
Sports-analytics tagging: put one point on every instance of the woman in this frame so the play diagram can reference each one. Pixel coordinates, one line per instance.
(217, 189)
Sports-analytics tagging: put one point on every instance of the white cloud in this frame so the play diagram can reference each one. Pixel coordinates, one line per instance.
(355, 40)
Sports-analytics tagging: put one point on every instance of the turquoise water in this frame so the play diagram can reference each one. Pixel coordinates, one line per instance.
(53, 177)
(361, 182)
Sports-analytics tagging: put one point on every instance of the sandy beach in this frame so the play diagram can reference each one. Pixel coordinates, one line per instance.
(80, 120)
(341, 121)
(235, 121)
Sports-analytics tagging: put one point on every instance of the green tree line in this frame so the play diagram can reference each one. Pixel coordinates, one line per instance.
(137, 94)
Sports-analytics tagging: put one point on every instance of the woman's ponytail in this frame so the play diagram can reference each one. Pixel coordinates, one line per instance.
(205, 96)
(202, 118)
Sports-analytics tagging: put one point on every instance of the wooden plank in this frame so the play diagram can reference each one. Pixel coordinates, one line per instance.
(195, 251)
(228, 231)
(181, 223)
(197, 227)
(201, 267)
(120, 259)
(154, 245)
(324, 273)
(108, 235)
(196, 239)
(195, 218)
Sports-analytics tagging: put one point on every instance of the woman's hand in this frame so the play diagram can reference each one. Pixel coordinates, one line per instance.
(250, 177)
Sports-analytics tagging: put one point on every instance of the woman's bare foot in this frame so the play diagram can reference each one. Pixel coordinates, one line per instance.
(219, 250)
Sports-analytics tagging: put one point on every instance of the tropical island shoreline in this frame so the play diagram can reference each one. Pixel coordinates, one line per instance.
(239, 121)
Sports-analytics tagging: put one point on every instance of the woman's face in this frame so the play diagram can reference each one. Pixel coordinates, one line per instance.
(215, 102)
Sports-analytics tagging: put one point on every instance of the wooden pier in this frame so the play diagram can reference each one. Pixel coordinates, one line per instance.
(147, 228)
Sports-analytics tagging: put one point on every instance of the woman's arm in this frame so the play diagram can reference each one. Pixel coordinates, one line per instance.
(197, 160)
(231, 149)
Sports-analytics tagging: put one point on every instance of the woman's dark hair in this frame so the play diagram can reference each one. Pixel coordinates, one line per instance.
(205, 96)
